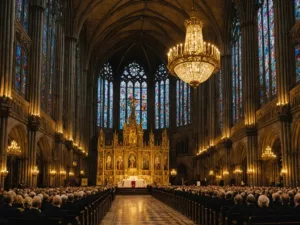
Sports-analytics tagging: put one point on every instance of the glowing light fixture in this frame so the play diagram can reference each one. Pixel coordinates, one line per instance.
(53, 172)
(225, 173)
(35, 171)
(4, 172)
(14, 149)
(195, 60)
(268, 154)
(237, 171)
(173, 172)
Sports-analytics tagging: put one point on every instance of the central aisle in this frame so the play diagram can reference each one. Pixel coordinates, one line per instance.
(139, 209)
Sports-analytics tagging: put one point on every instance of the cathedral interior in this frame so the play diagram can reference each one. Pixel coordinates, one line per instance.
(70, 70)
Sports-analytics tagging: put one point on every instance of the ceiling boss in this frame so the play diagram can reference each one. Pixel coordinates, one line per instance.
(195, 60)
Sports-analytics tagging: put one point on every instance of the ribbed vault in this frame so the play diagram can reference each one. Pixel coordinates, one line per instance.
(115, 27)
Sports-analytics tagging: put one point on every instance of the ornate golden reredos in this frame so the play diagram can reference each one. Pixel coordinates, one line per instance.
(132, 131)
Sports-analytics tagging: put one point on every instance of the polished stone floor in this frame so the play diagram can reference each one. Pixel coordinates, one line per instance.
(139, 209)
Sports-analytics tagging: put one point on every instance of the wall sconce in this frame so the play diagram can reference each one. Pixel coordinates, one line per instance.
(71, 174)
(35, 171)
(81, 172)
(53, 172)
(173, 172)
(211, 173)
(62, 173)
(74, 163)
(225, 173)
(283, 172)
(4, 172)
(250, 171)
(237, 171)
(218, 177)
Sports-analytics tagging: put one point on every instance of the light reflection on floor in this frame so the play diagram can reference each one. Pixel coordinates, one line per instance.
(138, 209)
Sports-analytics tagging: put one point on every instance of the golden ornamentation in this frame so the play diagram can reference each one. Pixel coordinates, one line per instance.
(237, 171)
(63, 173)
(268, 154)
(35, 171)
(53, 172)
(4, 172)
(14, 149)
(225, 173)
(195, 60)
(173, 172)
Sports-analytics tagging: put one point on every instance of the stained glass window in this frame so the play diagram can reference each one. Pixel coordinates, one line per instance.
(297, 47)
(183, 103)
(22, 13)
(162, 87)
(48, 57)
(266, 51)
(105, 97)
(21, 69)
(237, 104)
(133, 86)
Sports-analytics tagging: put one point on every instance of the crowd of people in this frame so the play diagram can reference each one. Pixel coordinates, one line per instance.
(40, 204)
(242, 201)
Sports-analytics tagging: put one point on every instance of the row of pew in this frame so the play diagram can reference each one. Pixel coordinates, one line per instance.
(91, 215)
(203, 215)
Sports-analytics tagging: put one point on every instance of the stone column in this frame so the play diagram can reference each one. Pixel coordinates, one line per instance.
(35, 58)
(212, 110)
(226, 94)
(69, 83)
(59, 78)
(248, 18)
(58, 158)
(33, 126)
(7, 37)
(285, 61)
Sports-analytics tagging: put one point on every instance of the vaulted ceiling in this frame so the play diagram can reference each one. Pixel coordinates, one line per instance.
(116, 29)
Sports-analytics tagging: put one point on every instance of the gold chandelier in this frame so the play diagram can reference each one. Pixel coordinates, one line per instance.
(195, 60)
(268, 154)
(14, 149)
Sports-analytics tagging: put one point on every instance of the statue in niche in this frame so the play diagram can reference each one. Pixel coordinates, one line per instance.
(132, 137)
(166, 163)
(108, 162)
(157, 163)
(146, 162)
(120, 164)
(132, 161)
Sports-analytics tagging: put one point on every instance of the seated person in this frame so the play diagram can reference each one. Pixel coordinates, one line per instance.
(55, 211)
(7, 210)
(19, 202)
(276, 203)
(285, 208)
(34, 213)
(250, 205)
(27, 205)
(297, 204)
(263, 207)
(238, 208)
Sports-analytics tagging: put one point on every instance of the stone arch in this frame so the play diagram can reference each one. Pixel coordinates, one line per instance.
(17, 133)
(238, 160)
(268, 139)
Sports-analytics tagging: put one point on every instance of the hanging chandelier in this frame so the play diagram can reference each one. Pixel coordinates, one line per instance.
(268, 154)
(14, 149)
(195, 60)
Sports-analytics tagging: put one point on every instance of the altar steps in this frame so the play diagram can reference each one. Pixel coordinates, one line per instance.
(132, 191)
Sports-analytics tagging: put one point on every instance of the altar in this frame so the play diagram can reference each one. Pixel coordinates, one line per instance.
(127, 183)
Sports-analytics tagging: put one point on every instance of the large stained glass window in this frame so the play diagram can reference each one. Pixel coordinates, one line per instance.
(22, 13)
(297, 48)
(133, 87)
(48, 57)
(183, 103)
(237, 104)
(162, 99)
(266, 51)
(105, 97)
(21, 69)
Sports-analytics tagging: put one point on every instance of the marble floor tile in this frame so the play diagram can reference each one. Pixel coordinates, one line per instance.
(142, 210)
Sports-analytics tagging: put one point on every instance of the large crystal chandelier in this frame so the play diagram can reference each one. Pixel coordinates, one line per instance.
(14, 149)
(268, 154)
(195, 60)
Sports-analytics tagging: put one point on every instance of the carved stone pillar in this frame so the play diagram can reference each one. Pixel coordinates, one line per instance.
(212, 110)
(7, 37)
(285, 61)
(37, 9)
(227, 144)
(284, 48)
(226, 94)
(248, 17)
(69, 145)
(286, 145)
(33, 126)
(59, 81)
(69, 83)
(58, 158)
